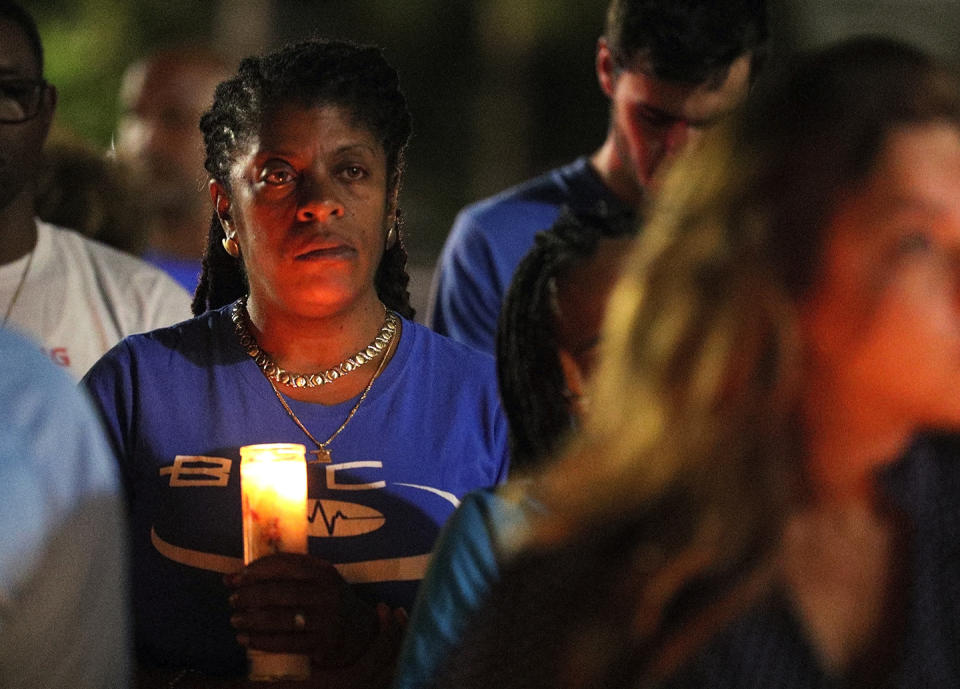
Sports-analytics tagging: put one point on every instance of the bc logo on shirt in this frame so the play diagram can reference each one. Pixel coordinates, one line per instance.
(189, 471)
(410, 528)
(326, 518)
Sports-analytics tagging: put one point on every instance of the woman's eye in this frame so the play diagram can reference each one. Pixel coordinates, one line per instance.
(277, 175)
(354, 172)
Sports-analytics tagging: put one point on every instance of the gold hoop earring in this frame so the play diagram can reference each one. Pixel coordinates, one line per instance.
(392, 235)
(230, 246)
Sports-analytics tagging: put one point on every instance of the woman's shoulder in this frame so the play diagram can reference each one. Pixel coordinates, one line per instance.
(191, 332)
(191, 340)
(925, 481)
(426, 342)
(449, 368)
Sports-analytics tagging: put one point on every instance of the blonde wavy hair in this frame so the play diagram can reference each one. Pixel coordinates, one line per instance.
(693, 444)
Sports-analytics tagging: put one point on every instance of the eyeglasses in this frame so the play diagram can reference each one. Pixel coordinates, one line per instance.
(20, 99)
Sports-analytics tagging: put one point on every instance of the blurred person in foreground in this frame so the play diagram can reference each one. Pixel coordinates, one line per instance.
(63, 568)
(303, 334)
(547, 342)
(749, 503)
(162, 98)
(74, 296)
(671, 68)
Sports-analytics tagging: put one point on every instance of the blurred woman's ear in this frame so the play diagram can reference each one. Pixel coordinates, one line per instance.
(221, 203)
(574, 383)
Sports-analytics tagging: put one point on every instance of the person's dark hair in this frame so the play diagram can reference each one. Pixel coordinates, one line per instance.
(310, 73)
(12, 11)
(532, 385)
(686, 41)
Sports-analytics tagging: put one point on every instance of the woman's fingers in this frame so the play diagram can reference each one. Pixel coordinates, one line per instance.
(323, 596)
(285, 566)
(290, 603)
(283, 620)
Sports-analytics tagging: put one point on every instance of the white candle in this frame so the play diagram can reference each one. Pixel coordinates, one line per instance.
(273, 490)
(273, 487)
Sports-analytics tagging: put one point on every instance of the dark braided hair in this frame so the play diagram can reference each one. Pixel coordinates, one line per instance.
(532, 384)
(311, 73)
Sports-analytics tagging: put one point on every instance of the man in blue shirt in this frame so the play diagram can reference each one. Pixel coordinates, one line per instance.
(670, 68)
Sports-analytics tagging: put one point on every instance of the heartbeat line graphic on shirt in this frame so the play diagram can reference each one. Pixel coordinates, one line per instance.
(338, 519)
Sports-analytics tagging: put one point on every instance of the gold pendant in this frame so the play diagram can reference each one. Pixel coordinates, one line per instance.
(323, 455)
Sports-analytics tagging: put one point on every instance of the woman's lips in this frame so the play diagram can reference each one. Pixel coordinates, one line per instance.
(326, 247)
(338, 251)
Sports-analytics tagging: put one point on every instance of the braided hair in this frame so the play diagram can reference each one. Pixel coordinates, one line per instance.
(532, 385)
(310, 73)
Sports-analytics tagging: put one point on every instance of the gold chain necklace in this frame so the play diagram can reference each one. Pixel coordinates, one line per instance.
(276, 374)
(16, 292)
(323, 452)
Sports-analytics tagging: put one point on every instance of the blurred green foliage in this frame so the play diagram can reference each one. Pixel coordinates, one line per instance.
(88, 43)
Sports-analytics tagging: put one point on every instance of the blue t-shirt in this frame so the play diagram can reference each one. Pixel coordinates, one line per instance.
(490, 238)
(180, 402)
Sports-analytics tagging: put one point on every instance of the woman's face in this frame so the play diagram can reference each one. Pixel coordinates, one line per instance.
(884, 317)
(582, 295)
(310, 211)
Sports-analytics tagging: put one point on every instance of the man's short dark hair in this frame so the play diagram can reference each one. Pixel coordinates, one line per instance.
(12, 11)
(685, 40)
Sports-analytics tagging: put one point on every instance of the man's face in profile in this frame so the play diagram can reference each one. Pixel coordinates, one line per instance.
(654, 120)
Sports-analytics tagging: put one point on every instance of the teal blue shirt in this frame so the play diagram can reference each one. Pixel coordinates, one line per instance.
(465, 565)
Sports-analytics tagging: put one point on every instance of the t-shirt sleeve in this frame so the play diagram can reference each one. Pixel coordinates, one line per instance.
(167, 303)
(463, 568)
(151, 299)
(109, 384)
(465, 299)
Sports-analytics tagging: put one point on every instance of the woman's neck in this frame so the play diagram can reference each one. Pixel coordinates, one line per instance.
(842, 551)
(847, 439)
(309, 344)
(842, 566)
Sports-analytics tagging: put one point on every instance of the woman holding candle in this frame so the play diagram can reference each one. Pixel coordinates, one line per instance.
(301, 337)
(734, 513)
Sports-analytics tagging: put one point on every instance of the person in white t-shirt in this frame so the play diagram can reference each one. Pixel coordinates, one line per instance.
(75, 297)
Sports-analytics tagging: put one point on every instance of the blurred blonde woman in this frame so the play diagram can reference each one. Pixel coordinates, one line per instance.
(736, 512)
